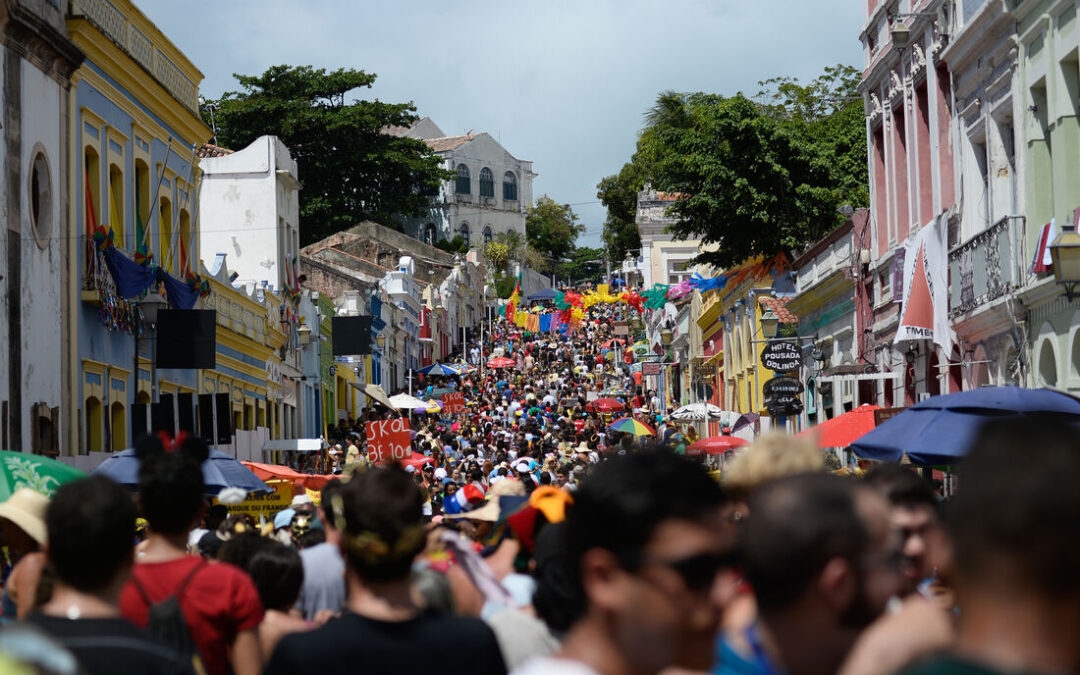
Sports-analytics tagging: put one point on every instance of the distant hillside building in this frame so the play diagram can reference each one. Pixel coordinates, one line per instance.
(488, 195)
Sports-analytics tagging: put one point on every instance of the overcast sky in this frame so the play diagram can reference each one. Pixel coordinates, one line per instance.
(561, 83)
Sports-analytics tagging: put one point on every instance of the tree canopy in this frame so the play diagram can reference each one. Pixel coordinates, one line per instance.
(760, 176)
(551, 229)
(349, 168)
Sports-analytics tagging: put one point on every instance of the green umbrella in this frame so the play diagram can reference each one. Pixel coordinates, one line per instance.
(41, 474)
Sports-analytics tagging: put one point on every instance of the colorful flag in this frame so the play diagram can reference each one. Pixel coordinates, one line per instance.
(925, 311)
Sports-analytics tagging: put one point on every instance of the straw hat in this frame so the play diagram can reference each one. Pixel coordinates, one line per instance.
(26, 508)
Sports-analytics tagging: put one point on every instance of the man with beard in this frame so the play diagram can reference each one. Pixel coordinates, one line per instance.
(648, 548)
(823, 561)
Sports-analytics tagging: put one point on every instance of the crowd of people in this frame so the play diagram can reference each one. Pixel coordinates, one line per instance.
(530, 538)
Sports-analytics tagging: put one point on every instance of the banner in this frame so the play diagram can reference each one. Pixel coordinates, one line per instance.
(388, 440)
(453, 403)
(925, 312)
(264, 504)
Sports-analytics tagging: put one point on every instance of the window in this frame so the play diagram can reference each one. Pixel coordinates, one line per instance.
(464, 231)
(429, 233)
(142, 204)
(165, 232)
(487, 183)
(92, 189)
(509, 186)
(464, 185)
(118, 426)
(116, 204)
(488, 236)
(94, 423)
(185, 241)
(41, 215)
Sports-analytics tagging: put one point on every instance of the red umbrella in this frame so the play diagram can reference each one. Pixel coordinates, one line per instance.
(501, 362)
(611, 343)
(715, 445)
(606, 405)
(842, 431)
(417, 460)
(278, 472)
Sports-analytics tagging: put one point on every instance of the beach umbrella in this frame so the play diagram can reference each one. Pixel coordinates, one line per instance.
(605, 405)
(279, 472)
(629, 425)
(417, 460)
(697, 411)
(438, 369)
(433, 407)
(610, 344)
(39, 473)
(715, 445)
(501, 362)
(220, 471)
(406, 402)
(843, 430)
(941, 429)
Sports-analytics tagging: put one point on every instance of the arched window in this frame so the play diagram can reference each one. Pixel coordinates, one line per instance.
(429, 233)
(464, 185)
(488, 236)
(464, 232)
(510, 186)
(487, 183)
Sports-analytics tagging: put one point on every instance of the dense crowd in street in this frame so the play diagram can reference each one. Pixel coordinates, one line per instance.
(531, 538)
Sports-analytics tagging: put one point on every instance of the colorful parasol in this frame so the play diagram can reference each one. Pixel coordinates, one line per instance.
(41, 474)
(629, 425)
(501, 362)
(605, 405)
(715, 445)
(842, 431)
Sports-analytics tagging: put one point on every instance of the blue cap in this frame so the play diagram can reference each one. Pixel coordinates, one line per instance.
(283, 518)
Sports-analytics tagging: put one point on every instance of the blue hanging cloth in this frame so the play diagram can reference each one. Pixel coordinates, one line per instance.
(132, 279)
(545, 323)
(181, 295)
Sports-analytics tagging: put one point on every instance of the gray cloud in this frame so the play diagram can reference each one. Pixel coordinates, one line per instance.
(564, 84)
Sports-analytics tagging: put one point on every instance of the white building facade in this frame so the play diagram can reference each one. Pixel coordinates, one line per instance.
(489, 194)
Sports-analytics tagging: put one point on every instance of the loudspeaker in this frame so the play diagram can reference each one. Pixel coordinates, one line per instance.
(139, 428)
(351, 335)
(186, 338)
(163, 416)
(185, 413)
(206, 418)
(224, 419)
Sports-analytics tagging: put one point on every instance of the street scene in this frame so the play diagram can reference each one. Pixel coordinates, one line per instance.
(766, 361)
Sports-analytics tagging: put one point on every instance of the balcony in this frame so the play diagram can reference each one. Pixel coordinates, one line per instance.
(986, 267)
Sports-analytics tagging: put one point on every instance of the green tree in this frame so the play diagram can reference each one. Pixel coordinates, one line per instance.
(455, 245)
(762, 175)
(584, 264)
(552, 230)
(351, 171)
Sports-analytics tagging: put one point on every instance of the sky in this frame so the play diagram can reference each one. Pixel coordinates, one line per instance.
(564, 84)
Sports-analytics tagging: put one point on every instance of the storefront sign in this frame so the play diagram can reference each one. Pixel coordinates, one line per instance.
(882, 414)
(782, 396)
(781, 357)
(652, 368)
(388, 440)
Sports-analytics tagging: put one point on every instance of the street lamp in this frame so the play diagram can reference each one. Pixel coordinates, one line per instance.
(1065, 252)
(770, 324)
(149, 307)
(666, 336)
(303, 335)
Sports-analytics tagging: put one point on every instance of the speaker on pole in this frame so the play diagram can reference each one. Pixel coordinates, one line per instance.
(223, 424)
(185, 413)
(206, 419)
(163, 415)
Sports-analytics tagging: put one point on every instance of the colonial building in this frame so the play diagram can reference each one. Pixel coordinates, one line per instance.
(38, 60)
(663, 259)
(489, 193)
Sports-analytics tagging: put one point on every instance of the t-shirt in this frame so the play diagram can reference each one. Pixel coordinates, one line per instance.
(107, 646)
(554, 666)
(324, 580)
(951, 665)
(428, 643)
(219, 603)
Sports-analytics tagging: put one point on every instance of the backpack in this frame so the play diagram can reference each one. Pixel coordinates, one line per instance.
(167, 624)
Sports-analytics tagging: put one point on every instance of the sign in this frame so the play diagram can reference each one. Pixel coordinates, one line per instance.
(622, 328)
(265, 504)
(707, 370)
(651, 368)
(882, 414)
(453, 403)
(782, 396)
(388, 440)
(781, 357)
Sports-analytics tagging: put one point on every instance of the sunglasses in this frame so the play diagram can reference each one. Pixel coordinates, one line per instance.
(698, 572)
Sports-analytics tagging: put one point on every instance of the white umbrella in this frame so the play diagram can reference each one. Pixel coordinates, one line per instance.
(406, 402)
(697, 411)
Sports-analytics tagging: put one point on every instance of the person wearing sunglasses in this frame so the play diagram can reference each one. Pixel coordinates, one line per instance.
(647, 552)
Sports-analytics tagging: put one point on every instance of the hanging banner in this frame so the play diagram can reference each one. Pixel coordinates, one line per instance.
(453, 403)
(266, 504)
(925, 312)
(388, 440)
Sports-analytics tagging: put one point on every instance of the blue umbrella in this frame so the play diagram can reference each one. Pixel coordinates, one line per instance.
(941, 429)
(220, 471)
(546, 294)
(437, 369)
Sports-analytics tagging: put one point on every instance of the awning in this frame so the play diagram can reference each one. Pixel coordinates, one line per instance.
(375, 392)
(296, 444)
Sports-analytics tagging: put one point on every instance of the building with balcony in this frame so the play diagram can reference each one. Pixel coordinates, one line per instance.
(39, 61)
(663, 259)
(489, 193)
(134, 125)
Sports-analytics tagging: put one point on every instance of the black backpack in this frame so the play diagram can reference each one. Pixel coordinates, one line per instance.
(167, 623)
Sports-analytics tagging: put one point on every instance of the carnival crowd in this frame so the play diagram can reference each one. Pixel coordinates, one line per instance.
(529, 537)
